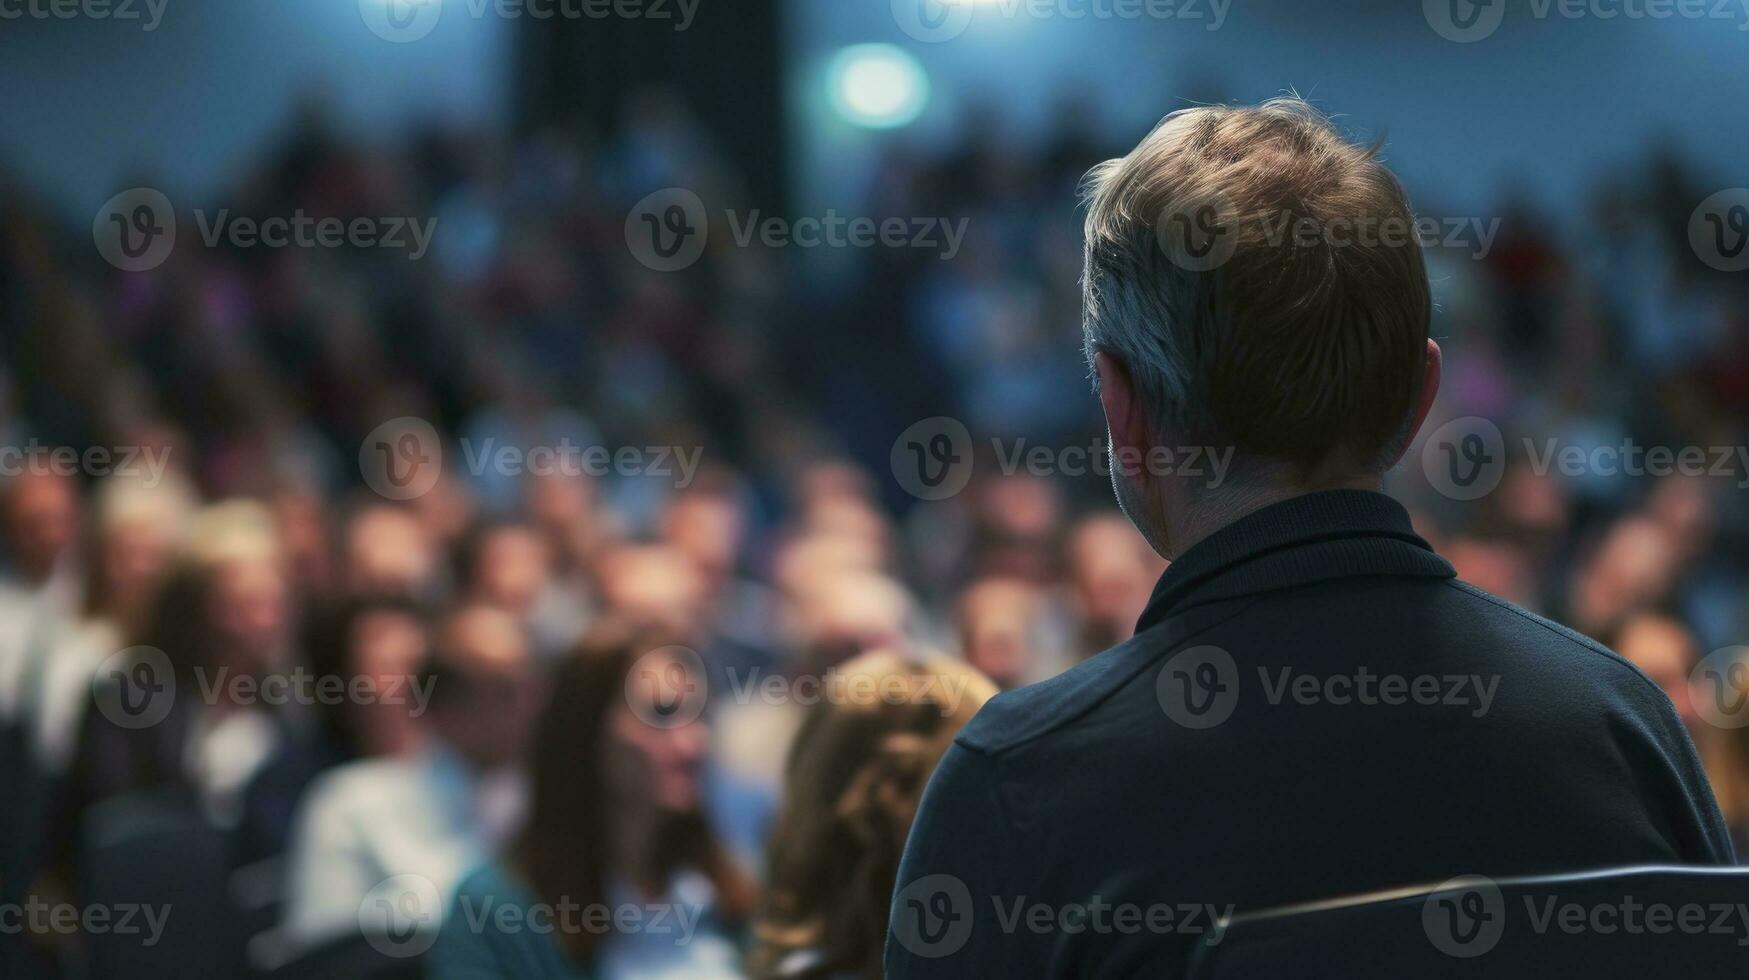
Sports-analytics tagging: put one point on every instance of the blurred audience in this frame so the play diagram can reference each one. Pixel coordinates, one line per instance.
(783, 552)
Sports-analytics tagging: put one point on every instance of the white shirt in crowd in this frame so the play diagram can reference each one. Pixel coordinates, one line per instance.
(427, 814)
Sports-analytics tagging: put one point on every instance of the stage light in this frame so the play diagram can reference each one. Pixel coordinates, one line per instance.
(877, 85)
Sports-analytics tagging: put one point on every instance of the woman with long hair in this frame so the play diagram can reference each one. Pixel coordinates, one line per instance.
(618, 872)
(856, 772)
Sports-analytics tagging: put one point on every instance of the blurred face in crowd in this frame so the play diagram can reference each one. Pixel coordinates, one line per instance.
(1110, 570)
(387, 552)
(41, 514)
(1499, 567)
(708, 529)
(1684, 506)
(1019, 514)
(852, 518)
(1665, 650)
(303, 529)
(446, 510)
(652, 584)
(655, 762)
(388, 646)
(1634, 567)
(512, 568)
(135, 556)
(998, 622)
(486, 716)
(247, 609)
(561, 504)
(851, 613)
(805, 561)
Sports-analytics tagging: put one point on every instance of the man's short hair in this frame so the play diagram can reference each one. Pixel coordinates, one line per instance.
(1261, 279)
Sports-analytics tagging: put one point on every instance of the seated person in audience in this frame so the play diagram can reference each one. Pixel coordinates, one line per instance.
(854, 776)
(617, 833)
(387, 551)
(434, 813)
(1110, 573)
(129, 554)
(1312, 704)
(39, 534)
(1000, 621)
(373, 645)
(220, 623)
(1712, 698)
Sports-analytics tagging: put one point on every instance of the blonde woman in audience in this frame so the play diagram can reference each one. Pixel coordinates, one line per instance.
(130, 551)
(855, 775)
(1720, 693)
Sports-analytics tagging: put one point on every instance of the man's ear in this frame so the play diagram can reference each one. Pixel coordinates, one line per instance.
(1124, 416)
(1429, 391)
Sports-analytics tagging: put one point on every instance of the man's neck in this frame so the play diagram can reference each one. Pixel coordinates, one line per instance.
(1202, 516)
